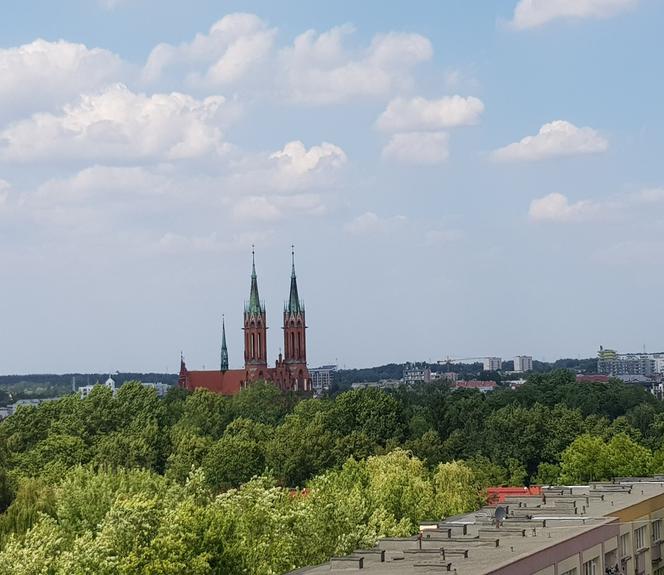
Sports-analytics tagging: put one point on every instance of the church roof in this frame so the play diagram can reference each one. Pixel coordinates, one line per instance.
(254, 306)
(294, 305)
(226, 382)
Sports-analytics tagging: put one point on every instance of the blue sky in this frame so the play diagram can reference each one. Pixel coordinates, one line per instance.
(460, 178)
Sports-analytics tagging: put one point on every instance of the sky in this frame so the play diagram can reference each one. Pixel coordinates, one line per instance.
(460, 179)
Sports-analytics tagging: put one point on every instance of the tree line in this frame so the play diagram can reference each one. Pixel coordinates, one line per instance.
(264, 482)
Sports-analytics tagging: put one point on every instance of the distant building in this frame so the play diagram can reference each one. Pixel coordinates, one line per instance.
(11, 409)
(382, 384)
(523, 363)
(414, 374)
(483, 386)
(322, 378)
(86, 390)
(492, 364)
(160, 388)
(609, 362)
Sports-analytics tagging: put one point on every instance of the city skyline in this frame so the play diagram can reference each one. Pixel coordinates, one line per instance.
(458, 179)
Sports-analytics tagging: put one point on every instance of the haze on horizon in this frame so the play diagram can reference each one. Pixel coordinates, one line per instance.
(458, 178)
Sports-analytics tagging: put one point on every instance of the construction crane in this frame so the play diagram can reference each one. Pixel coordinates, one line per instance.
(448, 361)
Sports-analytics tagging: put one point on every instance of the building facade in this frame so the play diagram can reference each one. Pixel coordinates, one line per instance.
(492, 364)
(413, 373)
(322, 378)
(523, 363)
(290, 371)
(610, 362)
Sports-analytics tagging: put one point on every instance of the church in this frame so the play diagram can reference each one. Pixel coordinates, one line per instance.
(290, 371)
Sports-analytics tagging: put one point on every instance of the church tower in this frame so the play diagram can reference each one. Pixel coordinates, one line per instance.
(295, 340)
(255, 331)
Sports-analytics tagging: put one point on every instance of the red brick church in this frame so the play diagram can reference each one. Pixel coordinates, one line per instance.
(290, 372)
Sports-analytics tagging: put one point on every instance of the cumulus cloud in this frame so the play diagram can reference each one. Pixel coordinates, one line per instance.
(535, 13)
(103, 183)
(232, 48)
(45, 75)
(557, 208)
(276, 207)
(558, 138)
(371, 223)
(424, 148)
(119, 125)
(4, 193)
(294, 161)
(403, 114)
(319, 68)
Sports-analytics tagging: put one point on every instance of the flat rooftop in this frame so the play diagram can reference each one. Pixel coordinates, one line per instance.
(472, 544)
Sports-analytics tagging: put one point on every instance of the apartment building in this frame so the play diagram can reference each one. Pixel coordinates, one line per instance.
(601, 528)
(523, 363)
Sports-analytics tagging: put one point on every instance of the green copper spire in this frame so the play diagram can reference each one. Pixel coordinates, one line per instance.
(294, 305)
(224, 349)
(254, 307)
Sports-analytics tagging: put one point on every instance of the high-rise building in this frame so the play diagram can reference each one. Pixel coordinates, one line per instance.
(492, 364)
(290, 371)
(416, 374)
(523, 363)
(322, 378)
(610, 362)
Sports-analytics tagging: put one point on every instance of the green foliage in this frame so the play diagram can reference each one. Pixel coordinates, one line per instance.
(204, 484)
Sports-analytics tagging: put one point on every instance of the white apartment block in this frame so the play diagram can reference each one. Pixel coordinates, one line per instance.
(523, 363)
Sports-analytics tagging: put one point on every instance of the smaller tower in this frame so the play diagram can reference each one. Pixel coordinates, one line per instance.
(224, 349)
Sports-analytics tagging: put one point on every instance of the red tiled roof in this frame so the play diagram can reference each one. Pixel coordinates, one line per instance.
(475, 384)
(592, 378)
(225, 383)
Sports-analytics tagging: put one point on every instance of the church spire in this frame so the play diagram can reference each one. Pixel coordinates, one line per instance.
(254, 306)
(224, 349)
(294, 305)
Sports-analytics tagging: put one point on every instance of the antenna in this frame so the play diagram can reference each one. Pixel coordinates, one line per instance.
(500, 515)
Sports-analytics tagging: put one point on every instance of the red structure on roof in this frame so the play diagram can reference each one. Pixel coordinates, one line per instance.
(290, 372)
(495, 495)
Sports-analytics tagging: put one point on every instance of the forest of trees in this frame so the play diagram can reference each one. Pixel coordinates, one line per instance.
(265, 482)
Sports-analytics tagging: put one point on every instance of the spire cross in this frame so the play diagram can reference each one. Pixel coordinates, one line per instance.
(293, 257)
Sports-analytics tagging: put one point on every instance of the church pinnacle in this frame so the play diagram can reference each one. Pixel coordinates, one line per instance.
(224, 349)
(294, 305)
(254, 306)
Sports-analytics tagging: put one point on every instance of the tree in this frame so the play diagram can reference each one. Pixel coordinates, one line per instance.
(370, 411)
(585, 460)
(456, 489)
(262, 402)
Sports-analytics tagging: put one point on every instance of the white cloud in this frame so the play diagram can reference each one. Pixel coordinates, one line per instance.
(558, 138)
(232, 48)
(370, 223)
(5, 186)
(557, 208)
(119, 125)
(44, 75)
(425, 148)
(649, 196)
(103, 183)
(277, 207)
(289, 170)
(319, 69)
(534, 13)
(438, 237)
(295, 161)
(419, 113)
